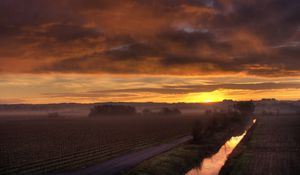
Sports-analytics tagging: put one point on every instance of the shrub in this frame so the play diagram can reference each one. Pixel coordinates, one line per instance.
(197, 132)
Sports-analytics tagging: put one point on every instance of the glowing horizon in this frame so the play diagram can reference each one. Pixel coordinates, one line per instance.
(77, 88)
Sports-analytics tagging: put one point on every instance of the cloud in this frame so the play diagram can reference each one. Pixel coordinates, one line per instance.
(180, 89)
(179, 37)
(87, 88)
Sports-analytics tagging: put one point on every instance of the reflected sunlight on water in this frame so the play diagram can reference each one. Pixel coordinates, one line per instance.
(212, 165)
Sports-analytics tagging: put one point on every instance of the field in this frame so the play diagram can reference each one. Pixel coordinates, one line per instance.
(43, 146)
(63, 144)
(272, 148)
(188, 156)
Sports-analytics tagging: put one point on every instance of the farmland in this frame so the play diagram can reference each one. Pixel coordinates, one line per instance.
(62, 144)
(272, 148)
(43, 146)
(189, 156)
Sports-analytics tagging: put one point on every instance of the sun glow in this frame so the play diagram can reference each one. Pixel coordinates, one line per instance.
(207, 97)
(208, 101)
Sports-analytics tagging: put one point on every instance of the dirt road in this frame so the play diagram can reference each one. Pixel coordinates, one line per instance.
(129, 160)
(273, 148)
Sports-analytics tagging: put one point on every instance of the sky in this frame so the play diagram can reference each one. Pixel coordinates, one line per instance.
(55, 51)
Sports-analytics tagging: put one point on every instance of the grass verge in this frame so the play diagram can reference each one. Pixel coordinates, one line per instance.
(238, 158)
(179, 160)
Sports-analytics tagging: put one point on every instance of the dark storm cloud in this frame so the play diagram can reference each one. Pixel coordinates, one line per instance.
(68, 32)
(182, 37)
(20, 14)
(273, 21)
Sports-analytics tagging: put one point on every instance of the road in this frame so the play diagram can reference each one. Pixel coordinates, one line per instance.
(129, 160)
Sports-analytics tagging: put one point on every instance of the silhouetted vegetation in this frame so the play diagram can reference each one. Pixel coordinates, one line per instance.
(162, 112)
(216, 121)
(112, 110)
(245, 107)
(54, 115)
(197, 132)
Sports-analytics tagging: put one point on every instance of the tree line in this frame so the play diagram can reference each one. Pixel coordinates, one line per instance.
(126, 110)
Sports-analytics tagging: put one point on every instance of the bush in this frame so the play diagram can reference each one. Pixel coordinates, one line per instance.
(112, 110)
(197, 132)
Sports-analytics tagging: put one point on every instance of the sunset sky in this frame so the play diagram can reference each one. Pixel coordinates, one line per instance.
(86, 51)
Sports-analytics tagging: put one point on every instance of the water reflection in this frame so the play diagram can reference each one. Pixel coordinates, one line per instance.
(213, 164)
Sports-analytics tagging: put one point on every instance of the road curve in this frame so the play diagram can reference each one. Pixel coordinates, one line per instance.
(129, 160)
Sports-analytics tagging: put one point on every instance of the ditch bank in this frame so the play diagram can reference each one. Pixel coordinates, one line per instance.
(180, 160)
(272, 147)
(237, 152)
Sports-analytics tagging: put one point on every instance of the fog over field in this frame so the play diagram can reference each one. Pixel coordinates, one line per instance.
(73, 110)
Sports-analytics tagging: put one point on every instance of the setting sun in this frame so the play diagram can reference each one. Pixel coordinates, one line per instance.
(207, 97)
(208, 101)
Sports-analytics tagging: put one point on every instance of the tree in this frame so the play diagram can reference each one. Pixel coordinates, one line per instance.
(245, 107)
(162, 112)
(112, 110)
(168, 111)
